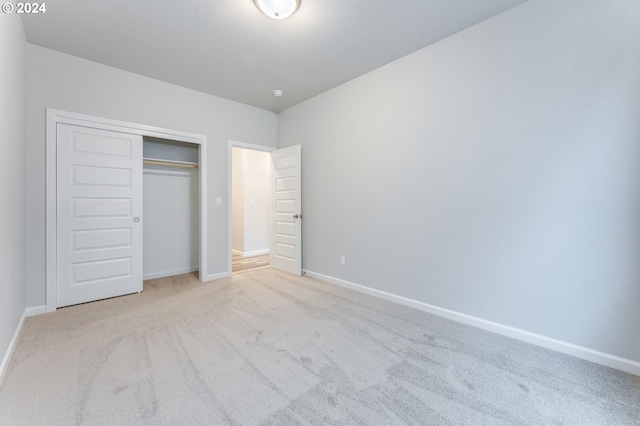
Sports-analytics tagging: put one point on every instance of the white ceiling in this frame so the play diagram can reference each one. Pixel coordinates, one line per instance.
(228, 48)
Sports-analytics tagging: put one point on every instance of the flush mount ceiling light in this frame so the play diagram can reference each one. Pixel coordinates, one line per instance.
(278, 9)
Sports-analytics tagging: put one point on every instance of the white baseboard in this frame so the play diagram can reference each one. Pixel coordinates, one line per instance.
(169, 273)
(35, 310)
(12, 347)
(602, 358)
(250, 253)
(218, 276)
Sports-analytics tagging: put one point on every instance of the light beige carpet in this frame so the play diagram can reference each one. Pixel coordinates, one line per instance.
(269, 348)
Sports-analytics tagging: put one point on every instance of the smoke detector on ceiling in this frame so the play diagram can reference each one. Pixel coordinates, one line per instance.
(277, 93)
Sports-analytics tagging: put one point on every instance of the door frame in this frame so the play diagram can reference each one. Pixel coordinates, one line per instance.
(236, 144)
(53, 117)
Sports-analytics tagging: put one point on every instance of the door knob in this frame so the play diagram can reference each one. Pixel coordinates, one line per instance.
(136, 219)
(296, 216)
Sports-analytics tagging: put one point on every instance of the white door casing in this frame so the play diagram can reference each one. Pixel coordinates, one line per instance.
(286, 239)
(99, 214)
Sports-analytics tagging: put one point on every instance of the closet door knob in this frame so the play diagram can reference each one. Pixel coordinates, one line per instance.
(136, 219)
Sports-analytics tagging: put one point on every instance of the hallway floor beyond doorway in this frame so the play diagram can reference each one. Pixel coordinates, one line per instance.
(241, 264)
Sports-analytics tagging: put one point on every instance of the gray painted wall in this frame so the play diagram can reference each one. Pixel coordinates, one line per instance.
(495, 173)
(12, 84)
(60, 81)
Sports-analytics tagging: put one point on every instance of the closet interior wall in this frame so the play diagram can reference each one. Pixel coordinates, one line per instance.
(171, 221)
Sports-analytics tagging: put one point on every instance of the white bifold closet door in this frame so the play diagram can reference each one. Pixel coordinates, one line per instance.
(99, 214)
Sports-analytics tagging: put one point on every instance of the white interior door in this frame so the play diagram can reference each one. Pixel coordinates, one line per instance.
(286, 238)
(99, 211)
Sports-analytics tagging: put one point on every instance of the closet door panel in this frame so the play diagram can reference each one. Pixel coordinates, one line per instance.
(99, 211)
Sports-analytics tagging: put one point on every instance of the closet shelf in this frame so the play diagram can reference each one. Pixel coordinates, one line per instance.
(171, 163)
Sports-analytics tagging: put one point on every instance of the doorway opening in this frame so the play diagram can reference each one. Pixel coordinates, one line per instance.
(250, 196)
(284, 216)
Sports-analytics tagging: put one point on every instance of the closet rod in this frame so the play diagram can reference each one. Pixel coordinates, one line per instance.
(171, 163)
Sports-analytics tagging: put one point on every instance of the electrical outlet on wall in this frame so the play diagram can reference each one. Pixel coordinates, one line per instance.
(343, 260)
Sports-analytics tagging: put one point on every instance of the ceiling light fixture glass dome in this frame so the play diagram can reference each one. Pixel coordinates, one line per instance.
(278, 9)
